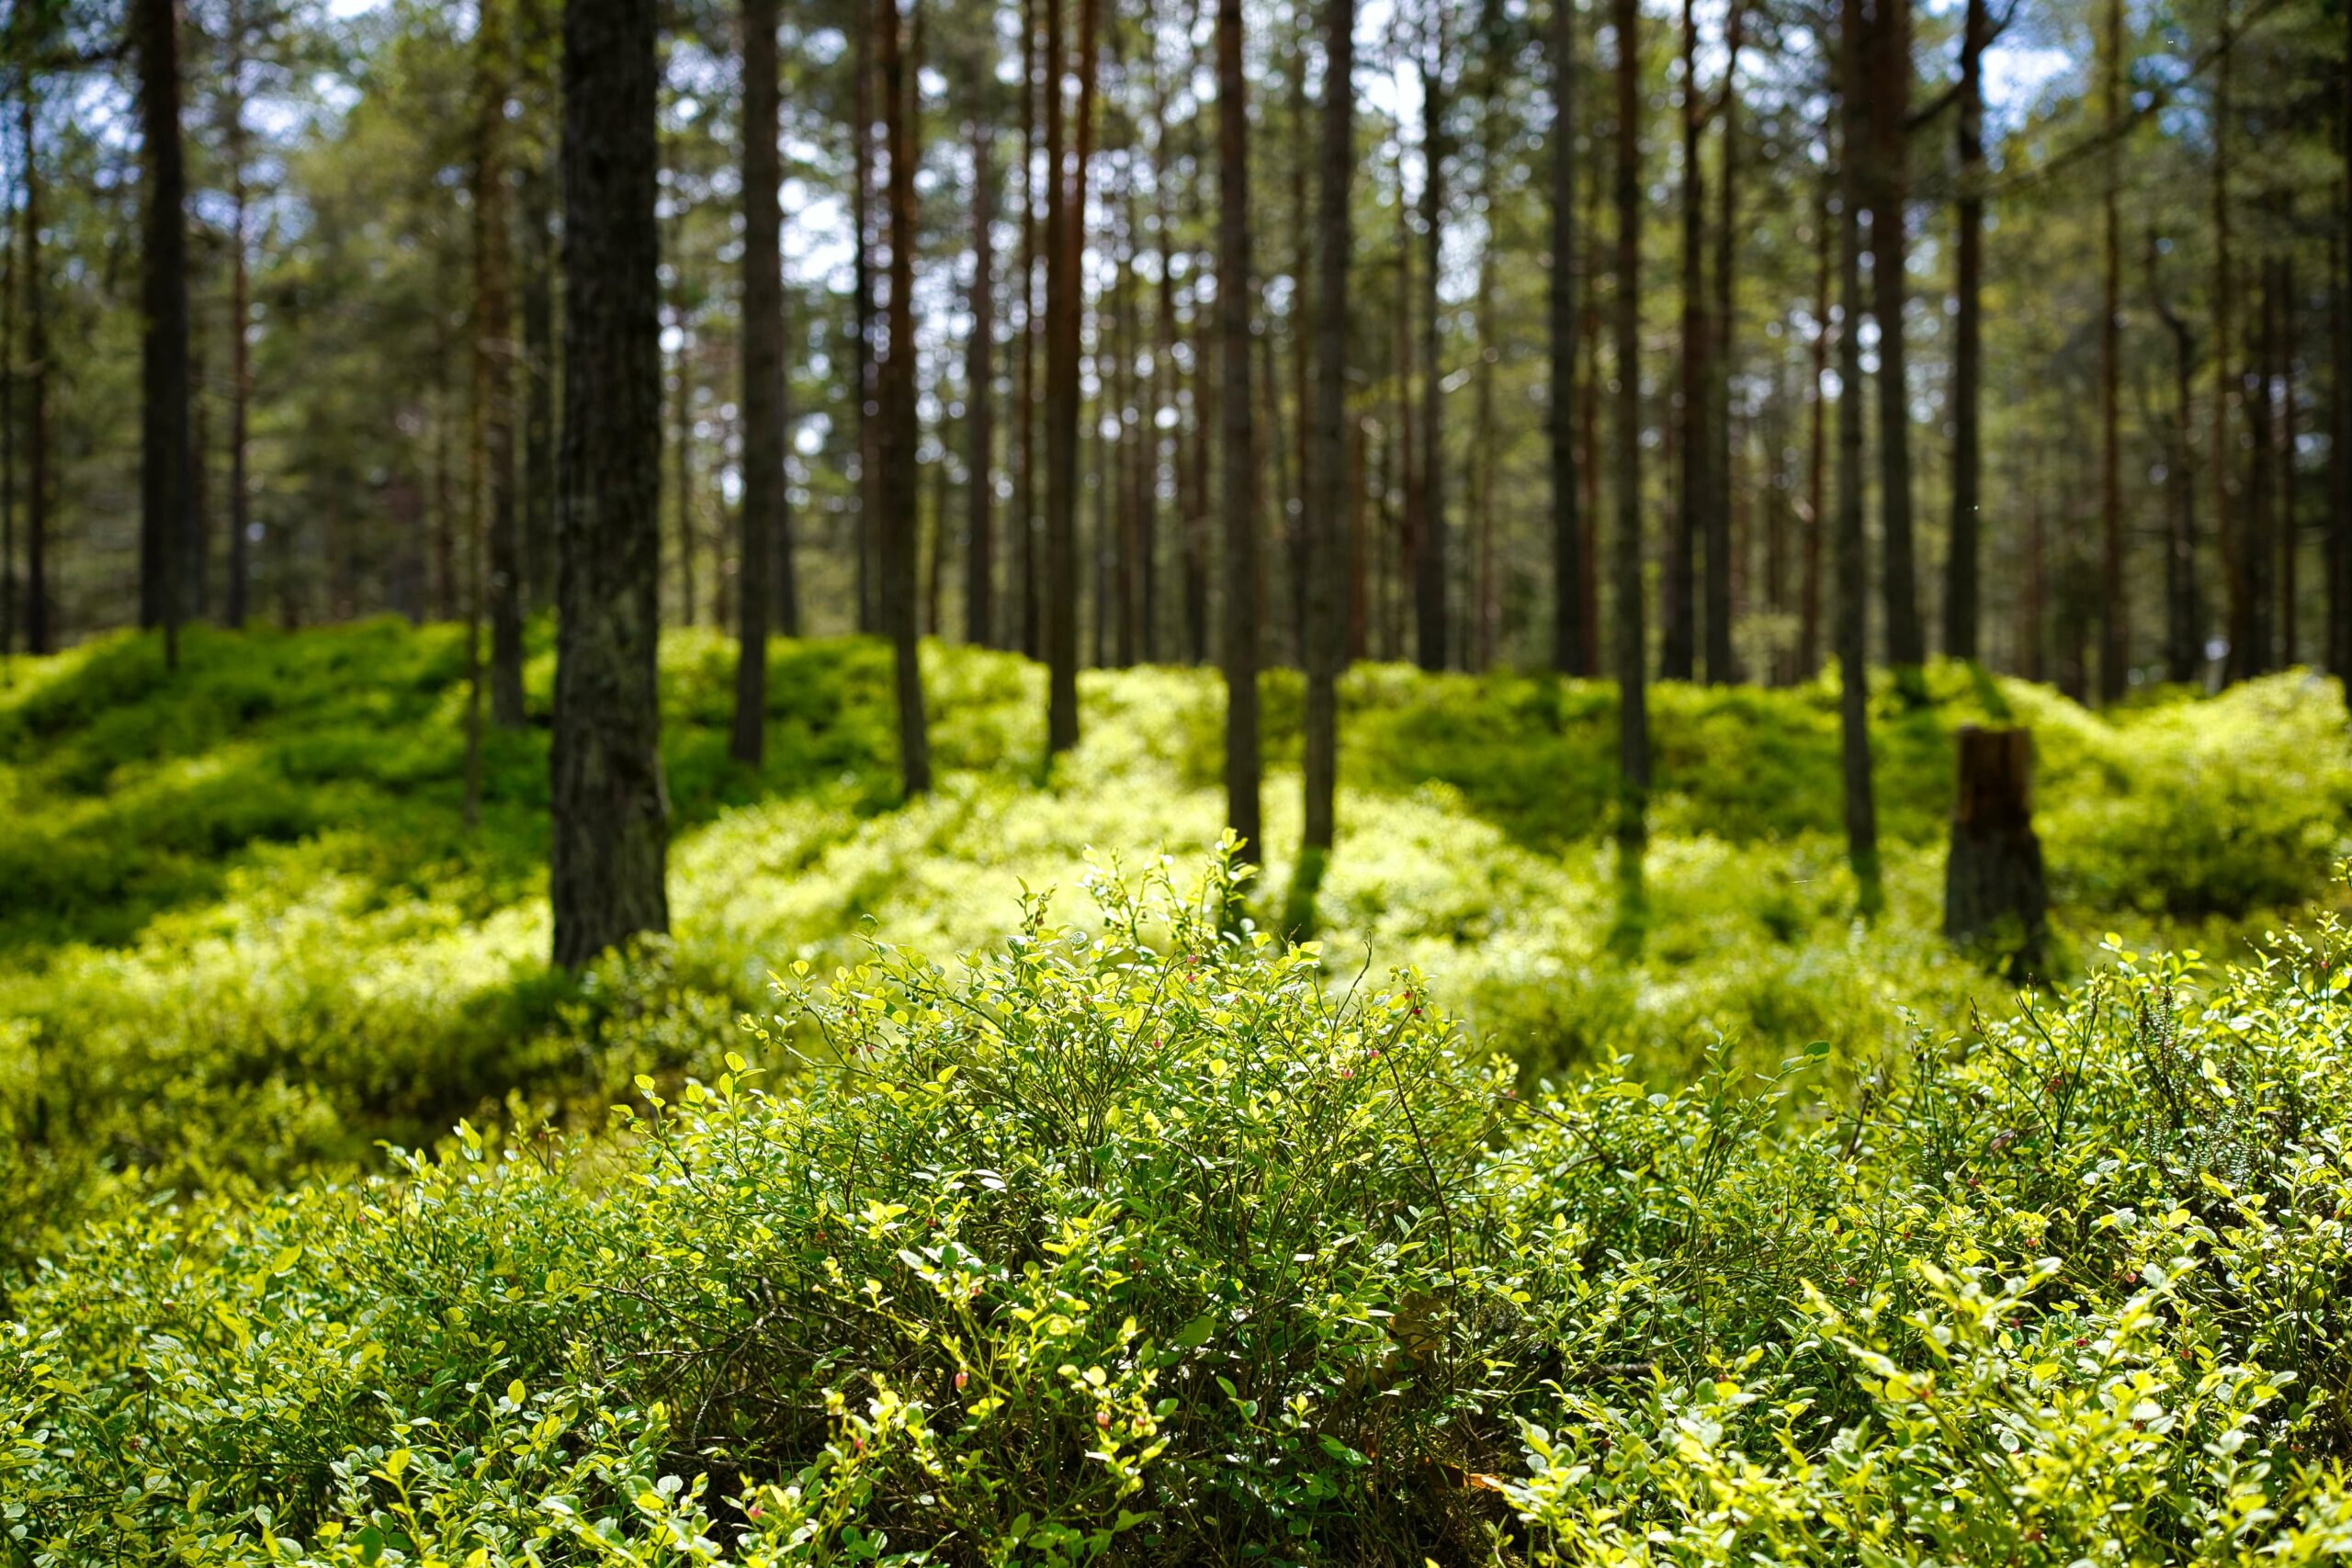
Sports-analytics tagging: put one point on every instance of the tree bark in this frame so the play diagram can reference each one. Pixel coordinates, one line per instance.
(1568, 630)
(40, 630)
(494, 365)
(762, 521)
(1853, 566)
(1826, 241)
(1430, 544)
(535, 210)
(164, 426)
(1234, 287)
(1888, 101)
(1961, 596)
(2225, 283)
(9, 276)
(979, 398)
(1679, 607)
(1723, 550)
(1326, 510)
(899, 533)
(1065, 248)
(869, 394)
(611, 811)
(1024, 392)
(2184, 650)
(2114, 641)
(1633, 696)
(239, 594)
(2289, 489)
(1995, 899)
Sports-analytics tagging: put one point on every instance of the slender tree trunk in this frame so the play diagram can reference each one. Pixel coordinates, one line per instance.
(1293, 500)
(1166, 383)
(895, 448)
(2340, 520)
(1326, 510)
(763, 431)
(1568, 629)
(1853, 566)
(2183, 644)
(611, 811)
(1679, 606)
(240, 587)
(1119, 502)
(2114, 642)
(1889, 100)
(1065, 286)
(1429, 545)
(40, 632)
(494, 367)
(1234, 287)
(535, 203)
(164, 426)
(869, 394)
(10, 274)
(979, 398)
(683, 455)
(1723, 551)
(2260, 492)
(1024, 393)
(1633, 704)
(1962, 594)
(2226, 283)
(2289, 536)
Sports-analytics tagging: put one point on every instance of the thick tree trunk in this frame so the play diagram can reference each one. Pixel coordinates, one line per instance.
(1327, 509)
(1853, 566)
(1996, 900)
(164, 506)
(494, 365)
(2115, 637)
(1633, 696)
(1568, 629)
(1889, 99)
(1240, 497)
(611, 812)
(1961, 596)
(899, 533)
(979, 398)
(1429, 542)
(761, 520)
(1723, 551)
(1679, 607)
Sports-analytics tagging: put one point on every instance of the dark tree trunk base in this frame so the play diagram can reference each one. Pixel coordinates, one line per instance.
(1995, 899)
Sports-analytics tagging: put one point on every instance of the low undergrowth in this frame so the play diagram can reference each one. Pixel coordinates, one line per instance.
(1155, 1242)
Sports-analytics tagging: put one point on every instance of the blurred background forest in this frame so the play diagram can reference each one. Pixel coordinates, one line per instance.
(2107, 383)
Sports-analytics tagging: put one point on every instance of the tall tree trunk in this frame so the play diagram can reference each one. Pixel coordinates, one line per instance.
(895, 449)
(1568, 629)
(1962, 594)
(762, 520)
(1167, 381)
(2114, 641)
(2260, 494)
(979, 398)
(1292, 501)
(1430, 546)
(1065, 290)
(2290, 496)
(1327, 509)
(536, 209)
(1679, 605)
(1234, 288)
(163, 424)
(40, 632)
(495, 364)
(1889, 99)
(1853, 566)
(2225, 283)
(611, 811)
(1826, 240)
(1120, 387)
(2340, 518)
(10, 274)
(1722, 552)
(2183, 643)
(240, 586)
(870, 392)
(1633, 696)
(1025, 603)
(683, 455)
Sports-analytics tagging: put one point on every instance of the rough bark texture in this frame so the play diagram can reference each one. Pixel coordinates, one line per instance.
(1960, 594)
(897, 449)
(1568, 630)
(164, 503)
(762, 514)
(611, 812)
(1853, 566)
(1995, 898)
(1888, 99)
(1633, 705)
(1239, 495)
(1326, 510)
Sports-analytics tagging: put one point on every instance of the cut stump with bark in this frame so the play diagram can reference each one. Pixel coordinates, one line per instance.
(1995, 898)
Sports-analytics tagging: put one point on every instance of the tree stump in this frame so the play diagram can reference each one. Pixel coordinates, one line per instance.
(1994, 897)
